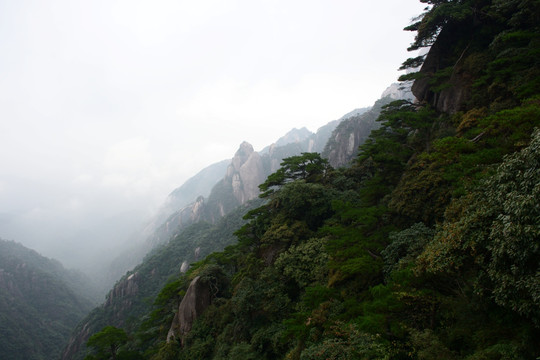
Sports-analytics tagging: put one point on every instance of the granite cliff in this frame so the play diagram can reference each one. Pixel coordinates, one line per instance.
(354, 128)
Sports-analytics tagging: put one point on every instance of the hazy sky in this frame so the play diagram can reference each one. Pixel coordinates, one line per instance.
(108, 105)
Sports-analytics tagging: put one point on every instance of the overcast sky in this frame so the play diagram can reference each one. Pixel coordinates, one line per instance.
(108, 105)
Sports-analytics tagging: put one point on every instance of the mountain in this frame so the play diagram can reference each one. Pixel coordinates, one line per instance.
(426, 246)
(40, 303)
(237, 184)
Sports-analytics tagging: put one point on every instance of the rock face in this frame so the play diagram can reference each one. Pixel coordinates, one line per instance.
(353, 131)
(197, 298)
(245, 173)
(343, 144)
(240, 184)
(123, 290)
(456, 90)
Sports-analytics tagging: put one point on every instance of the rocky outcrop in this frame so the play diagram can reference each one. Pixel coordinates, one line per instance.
(446, 93)
(123, 291)
(353, 131)
(343, 144)
(197, 298)
(251, 174)
(240, 184)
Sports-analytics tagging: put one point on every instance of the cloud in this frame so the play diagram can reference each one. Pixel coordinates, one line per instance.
(129, 155)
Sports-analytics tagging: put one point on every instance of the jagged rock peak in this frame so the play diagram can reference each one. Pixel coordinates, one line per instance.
(241, 155)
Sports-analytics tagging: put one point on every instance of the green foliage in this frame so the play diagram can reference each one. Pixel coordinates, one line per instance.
(346, 342)
(427, 345)
(148, 312)
(355, 243)
(310, 167)
(307, 202)
(406, 245)
(304, 263)
(436, 17)
(107, 342)
(495, 229)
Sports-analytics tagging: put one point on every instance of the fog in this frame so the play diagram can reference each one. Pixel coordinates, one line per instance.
(107, 106)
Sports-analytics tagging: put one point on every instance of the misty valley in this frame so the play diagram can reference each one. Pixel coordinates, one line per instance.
(409, 229)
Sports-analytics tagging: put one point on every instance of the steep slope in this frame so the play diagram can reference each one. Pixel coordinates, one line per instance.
(427, 246)
(40, 302)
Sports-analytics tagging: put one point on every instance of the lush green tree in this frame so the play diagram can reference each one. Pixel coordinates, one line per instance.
(107, 342)
(405, 246)
(310, 167)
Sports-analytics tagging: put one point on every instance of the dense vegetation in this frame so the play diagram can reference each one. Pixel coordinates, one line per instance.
(427, 246)
(40, 302)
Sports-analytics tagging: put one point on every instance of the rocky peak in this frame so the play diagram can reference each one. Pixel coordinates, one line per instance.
(342, 146)
(241, 156)
(245, 173)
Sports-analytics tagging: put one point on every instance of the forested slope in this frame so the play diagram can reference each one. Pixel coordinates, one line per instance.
(428, 246)
(40, 302)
